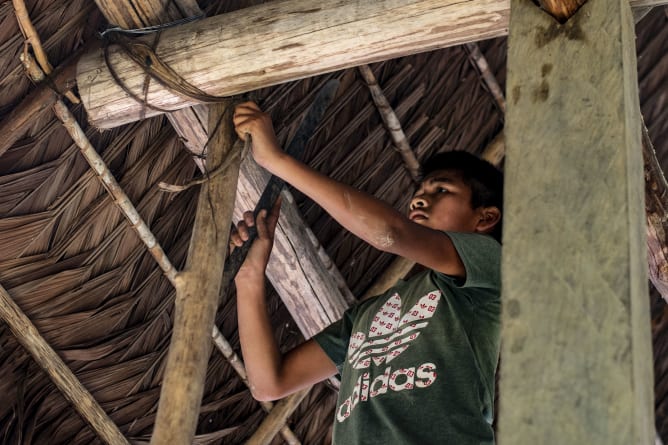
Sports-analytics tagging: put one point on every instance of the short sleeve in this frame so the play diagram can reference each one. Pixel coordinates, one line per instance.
(334, 338)
(481, 255)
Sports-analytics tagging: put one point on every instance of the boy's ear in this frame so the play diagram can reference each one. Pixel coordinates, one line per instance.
(489, 217)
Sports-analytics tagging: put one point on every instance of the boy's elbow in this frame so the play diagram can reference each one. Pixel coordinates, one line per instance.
(389, 238)
(267, 391)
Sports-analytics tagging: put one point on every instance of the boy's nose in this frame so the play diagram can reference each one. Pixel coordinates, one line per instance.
(418, 202)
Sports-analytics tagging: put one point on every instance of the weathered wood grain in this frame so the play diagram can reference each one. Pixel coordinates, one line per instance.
(283, 40)
(577, 358)
(304, 281)
(197, 292)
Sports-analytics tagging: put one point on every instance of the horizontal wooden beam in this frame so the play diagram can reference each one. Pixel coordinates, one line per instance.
(282, 41)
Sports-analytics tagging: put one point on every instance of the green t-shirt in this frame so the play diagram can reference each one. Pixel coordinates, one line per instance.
(417, 363)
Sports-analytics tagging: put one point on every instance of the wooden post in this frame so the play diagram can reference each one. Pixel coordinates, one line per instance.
(577, 358)
(197, 291)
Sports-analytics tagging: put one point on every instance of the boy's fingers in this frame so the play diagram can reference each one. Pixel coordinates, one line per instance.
(272, 220)
(242, 231)
(248, 104)
(249, 218)
(262, 224)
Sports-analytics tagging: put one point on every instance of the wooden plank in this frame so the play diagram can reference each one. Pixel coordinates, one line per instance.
(64, 379)
(197, 292)
(281, 41)
(577, 358)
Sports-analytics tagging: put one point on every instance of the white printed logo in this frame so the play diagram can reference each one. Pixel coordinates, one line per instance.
(389, 336)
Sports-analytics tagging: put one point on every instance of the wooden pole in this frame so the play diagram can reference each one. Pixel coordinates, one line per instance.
(281, 41)
(197, 292)
(276, 419)
(577, 357)
(392, 123)
(64, 379)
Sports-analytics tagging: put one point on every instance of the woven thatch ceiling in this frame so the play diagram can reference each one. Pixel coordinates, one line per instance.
(70, 261)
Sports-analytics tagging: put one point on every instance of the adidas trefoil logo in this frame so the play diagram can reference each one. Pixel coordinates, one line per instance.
(389, 336)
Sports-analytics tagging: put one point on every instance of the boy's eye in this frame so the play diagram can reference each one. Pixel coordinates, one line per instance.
(442, 190)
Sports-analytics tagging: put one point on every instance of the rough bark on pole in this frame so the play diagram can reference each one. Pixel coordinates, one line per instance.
(47, 359)
(281, 41)
(197, 292)
(392, 123)
(577, 357)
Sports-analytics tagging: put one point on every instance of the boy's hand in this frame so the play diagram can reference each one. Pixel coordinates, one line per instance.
(256, 261)
(250, 120)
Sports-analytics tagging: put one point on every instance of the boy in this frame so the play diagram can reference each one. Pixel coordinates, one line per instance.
(417, 363)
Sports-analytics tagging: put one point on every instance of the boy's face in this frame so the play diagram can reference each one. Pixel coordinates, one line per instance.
(443, 202)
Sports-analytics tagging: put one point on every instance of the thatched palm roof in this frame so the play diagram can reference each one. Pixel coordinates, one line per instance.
(74, 266)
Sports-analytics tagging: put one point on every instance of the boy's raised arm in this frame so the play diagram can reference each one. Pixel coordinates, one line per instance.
(367, 217)
(271, 375)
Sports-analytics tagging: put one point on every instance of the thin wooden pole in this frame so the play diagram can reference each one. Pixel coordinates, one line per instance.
(198, 290)
(64, 379)
(32, 38)
(276, 419)
(392, 123)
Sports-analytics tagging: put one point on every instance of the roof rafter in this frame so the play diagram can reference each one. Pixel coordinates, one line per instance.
(299, 43)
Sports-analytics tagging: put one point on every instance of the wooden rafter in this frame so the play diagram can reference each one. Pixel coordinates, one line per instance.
(300, 42)
(392, 123)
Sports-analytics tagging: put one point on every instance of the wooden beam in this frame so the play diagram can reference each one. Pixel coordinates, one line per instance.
(577, 357)
(281, 41)
(296, 271)
(64, 379)
(198, 290)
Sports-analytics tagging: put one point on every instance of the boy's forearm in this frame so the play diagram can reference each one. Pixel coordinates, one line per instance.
(360, 213)
(258, 345)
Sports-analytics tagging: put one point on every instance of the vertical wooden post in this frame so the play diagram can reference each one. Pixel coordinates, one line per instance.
(197, 291)
(577, 359)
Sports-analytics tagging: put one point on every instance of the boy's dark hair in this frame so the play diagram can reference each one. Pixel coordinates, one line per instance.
(485, 180)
